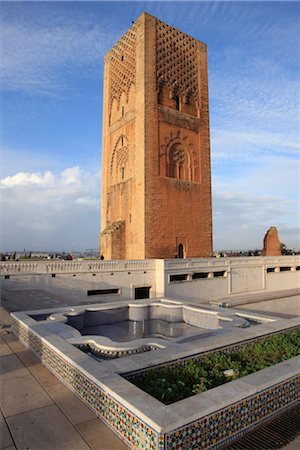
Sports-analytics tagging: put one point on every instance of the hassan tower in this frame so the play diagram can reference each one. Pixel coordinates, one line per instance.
(156, 178)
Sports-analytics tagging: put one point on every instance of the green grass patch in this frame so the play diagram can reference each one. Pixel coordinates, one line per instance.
(200, 374)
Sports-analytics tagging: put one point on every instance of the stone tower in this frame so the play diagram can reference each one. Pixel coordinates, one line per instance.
(156, 187)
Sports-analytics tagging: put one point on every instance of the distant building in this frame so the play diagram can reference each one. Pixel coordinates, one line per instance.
(156, 177)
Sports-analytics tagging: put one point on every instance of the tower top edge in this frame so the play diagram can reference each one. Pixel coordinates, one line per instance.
(146, 16)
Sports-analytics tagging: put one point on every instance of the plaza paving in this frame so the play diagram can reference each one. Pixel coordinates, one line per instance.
(38, 412)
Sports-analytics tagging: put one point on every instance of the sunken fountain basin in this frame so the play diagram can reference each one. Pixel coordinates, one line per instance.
(206, 420)
(114, 331)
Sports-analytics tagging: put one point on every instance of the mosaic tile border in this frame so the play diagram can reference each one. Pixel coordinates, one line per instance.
(225, 425)
(132, 430)
(113, 354)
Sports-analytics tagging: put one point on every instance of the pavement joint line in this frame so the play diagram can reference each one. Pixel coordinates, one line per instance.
(29, 410)
(52, 399)
(11, 435)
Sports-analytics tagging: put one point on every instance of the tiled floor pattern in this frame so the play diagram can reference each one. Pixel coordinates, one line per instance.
(39, 413)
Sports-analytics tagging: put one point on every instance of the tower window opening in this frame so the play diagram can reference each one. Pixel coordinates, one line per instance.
(122, 173)
(122, 111)
(180, 173)
(180, 251)
(122, 57)
(122, 140)
(178, 164)
(177, 102)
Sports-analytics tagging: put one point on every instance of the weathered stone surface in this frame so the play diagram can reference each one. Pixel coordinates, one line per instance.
(95, 432)
(22, 394)
(272, 246)
(156, 148)
(45, 428)
(5, 437)
(11, 367)
(73, 408)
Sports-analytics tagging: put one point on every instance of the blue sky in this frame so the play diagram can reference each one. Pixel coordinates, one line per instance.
(51, 116)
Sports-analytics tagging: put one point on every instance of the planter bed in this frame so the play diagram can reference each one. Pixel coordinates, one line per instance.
(200, 374)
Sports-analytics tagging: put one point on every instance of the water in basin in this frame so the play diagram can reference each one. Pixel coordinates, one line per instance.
(129, 330)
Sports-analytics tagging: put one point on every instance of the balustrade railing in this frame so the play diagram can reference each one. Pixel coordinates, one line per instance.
(56, 267)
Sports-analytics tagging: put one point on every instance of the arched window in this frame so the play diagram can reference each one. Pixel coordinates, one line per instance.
(119, 166)
(179, 164)
(177, 101)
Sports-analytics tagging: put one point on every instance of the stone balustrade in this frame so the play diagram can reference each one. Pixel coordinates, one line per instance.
(75, 266)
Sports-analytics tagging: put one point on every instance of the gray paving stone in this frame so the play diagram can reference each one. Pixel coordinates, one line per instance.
(28, 358)
(98, 436)
(22, 394)
(43, 375)
(11, 367)
(45, 429)
(13, 342)
(4, 348)
(5, 437)
(9, 337)
(74, 409)
(5, 317)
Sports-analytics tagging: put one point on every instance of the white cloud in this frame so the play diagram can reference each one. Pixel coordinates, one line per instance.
(51, 211)
(87, 201)
(71, 175)
(264, 194)
(239, 144)
(244, 219)
(26, 179)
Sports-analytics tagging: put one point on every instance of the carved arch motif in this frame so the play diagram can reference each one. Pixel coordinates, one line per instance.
(179, 162)
(122, 66)
(119, 164)
(180, 157)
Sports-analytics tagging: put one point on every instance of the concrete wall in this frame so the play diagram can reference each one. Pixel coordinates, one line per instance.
(240, 276)
(75, 278)
(225, 276)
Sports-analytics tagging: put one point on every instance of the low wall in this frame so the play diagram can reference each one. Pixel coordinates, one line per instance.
(204, 280)
(123, 276)
(199, 280)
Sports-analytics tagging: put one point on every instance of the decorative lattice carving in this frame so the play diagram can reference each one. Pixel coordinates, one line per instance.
(176, 137)
(177, 155)
(176, 61)
(123, 65)
(108, 196)
(120, 153)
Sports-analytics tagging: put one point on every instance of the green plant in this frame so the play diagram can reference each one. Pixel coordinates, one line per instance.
(200, 374)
